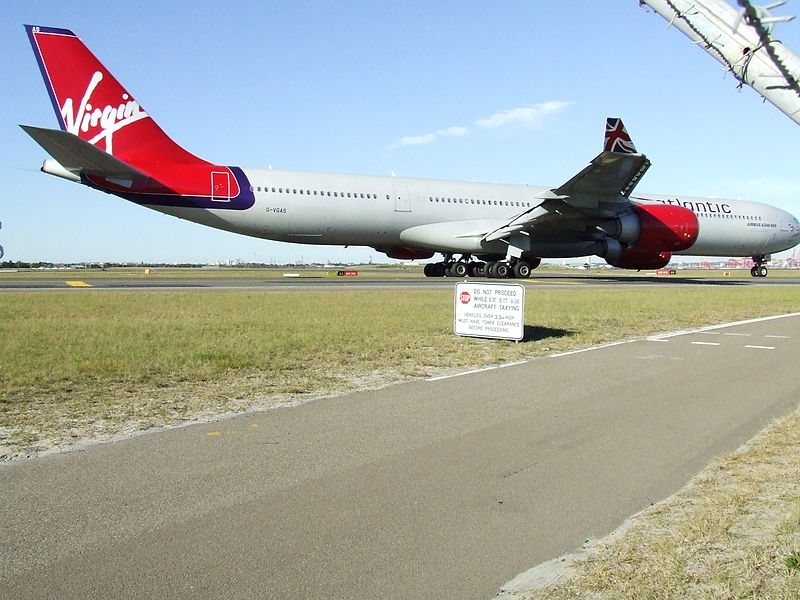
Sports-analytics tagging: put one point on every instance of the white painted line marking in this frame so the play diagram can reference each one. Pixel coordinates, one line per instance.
(740, 334)
(664, 337)
(722, 325)
(492, 368)
(779, 337)
(762, 347)
(571, 352)
(709, 332)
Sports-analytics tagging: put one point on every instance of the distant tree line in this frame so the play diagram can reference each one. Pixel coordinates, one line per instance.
(18, 264)
(21, 264)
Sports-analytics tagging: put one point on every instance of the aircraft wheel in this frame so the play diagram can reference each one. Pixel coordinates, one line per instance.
(753, 272)
(434, 270)
(491, 269)
(457, 269)
(761, 271)
(476, 269)
(502, 270)
(522, 270)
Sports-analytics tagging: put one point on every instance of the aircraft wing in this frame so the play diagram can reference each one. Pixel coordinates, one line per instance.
(601, 189)
(609, 174)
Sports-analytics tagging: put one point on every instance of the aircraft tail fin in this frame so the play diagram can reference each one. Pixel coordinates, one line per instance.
(90, 103)
(107, 140)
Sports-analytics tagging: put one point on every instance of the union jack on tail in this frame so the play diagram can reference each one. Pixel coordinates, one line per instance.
(617, 138)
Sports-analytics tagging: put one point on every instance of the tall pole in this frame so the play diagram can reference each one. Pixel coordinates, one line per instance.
(742, 40)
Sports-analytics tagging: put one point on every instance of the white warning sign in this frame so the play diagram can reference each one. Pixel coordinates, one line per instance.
(490, 310)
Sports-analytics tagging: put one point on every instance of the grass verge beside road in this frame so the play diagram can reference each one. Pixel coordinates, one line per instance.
(86, 364)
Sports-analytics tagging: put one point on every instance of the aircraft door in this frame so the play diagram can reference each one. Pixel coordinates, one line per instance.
(220, 186)
(402, 201)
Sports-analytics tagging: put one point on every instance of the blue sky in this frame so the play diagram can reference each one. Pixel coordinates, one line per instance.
(513, 92)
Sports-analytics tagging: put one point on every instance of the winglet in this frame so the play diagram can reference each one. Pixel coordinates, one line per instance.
(612, 173)
(617, 139)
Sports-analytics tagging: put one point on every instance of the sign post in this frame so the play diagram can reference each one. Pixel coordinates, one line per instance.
(490, 310)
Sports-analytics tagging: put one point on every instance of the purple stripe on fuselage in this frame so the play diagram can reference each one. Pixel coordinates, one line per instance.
(244, 200)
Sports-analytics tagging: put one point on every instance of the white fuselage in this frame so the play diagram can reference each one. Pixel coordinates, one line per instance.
(341, 209)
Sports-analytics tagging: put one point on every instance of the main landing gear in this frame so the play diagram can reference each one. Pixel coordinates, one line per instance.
(501, 269)
(759, 269)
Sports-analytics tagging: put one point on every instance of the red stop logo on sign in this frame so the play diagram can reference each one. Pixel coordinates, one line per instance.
(464, 297)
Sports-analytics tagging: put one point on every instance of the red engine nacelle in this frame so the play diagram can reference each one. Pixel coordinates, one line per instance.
(633, 258)
(653, 235)
(407, 253)
(665, 228)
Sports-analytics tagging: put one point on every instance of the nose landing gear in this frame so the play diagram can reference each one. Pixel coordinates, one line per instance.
(759, 269)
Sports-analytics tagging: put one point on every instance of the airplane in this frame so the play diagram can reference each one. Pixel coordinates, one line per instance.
(108, 142)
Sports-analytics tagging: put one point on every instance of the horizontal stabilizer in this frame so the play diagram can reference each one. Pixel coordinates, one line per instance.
(79, 156)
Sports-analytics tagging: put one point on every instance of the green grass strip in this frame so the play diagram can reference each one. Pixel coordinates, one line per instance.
(86, 363)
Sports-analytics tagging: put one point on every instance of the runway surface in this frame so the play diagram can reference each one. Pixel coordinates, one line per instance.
(442, 488)
(88, 280)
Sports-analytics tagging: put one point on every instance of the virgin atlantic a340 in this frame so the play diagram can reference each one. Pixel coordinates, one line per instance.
(108, 142)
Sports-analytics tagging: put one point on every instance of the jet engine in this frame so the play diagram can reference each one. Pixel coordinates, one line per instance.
(646, 237)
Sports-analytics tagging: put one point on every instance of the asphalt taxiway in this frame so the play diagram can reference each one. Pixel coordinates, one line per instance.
(440, 488)
(170, 283)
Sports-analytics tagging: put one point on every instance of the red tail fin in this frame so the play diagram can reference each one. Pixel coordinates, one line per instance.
(149, 168)
(90, 103)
